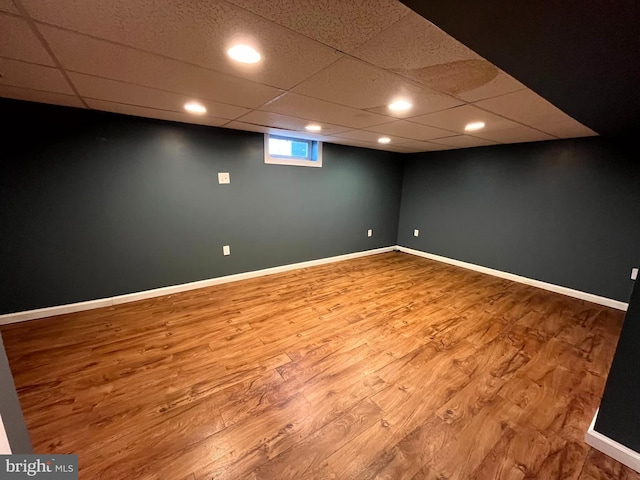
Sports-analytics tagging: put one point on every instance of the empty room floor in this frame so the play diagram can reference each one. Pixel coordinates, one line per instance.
(388, 366)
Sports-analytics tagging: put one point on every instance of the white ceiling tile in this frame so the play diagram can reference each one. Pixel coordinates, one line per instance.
(417, 49)
(83, 54)
(18, 41)
(148, 58)
(414, 131)
(501, 84)
(8, 6)
(418, 146)
(250, 127)
(321, 111)
(36, 77)
(371, 137)
(236, 125)
(119, 92)
(195, 32)
(373, 145)
(515, 135)
(456, 118)
(287, 123)
(344, 25)
(399, 148)
(154, 113)
(360, 85)
(566, 128)
(413, 43)
(525, 106)
(464, 141)
(41, 97)
(531, 109)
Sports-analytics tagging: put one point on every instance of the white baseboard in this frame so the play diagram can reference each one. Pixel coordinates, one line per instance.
(589, 297)
(159, 292)
(611, 448)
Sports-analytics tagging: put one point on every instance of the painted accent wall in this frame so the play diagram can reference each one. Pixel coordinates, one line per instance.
(95, 205)
(619, 415)
(566, 212)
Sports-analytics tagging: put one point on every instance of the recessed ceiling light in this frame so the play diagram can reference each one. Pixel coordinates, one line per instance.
(195, 107)
(470, 127)
(400, 106)
(384, 140)
(244, 54)
(313, 128)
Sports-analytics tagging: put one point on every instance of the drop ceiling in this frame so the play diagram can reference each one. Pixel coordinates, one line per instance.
(584, 57)
(333, 62)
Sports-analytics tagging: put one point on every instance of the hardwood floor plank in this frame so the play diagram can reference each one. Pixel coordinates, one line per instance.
(388, 366)
(600, 467)
(309, 453)
(413, 452)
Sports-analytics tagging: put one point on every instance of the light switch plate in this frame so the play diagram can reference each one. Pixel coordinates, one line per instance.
(224, 177)
(226, 250)
(416, 232)
(634, 273)
(369, 233)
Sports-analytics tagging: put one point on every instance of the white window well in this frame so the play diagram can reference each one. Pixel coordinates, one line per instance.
(299, 151)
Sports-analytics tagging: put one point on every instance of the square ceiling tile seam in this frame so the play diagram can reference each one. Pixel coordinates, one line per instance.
(329, 129)
(378, 114)
(160, 90)
(36, 77)
(344, 53)
(19, 93)
(304, 26)
(373, 65)
(99, 88)
(347, 129)
(349, 54)
(50, 13)
(415, 83)
(318, 80)
(268, 20)
(416, 48)
(157, 113)
(27, 18)
(92, 100)
(19, 42)
(471, 104)
(128, 46)
(149, 52)
(522, 124)
(154, 54)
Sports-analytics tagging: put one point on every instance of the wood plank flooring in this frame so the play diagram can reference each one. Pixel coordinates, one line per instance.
(386, 367)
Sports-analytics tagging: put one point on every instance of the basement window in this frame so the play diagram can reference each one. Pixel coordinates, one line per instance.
(281, 150)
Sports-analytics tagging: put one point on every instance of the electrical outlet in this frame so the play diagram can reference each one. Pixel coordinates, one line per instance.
(226, 250)
(634, 273)
(416, 232)
(369, 233)
(223, 177)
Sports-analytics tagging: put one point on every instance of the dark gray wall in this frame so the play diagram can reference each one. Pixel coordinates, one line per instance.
(565, 212)
(10, 410)
(94, 205)
(619, 415)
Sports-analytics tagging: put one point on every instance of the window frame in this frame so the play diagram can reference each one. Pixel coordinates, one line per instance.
(315, 151)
